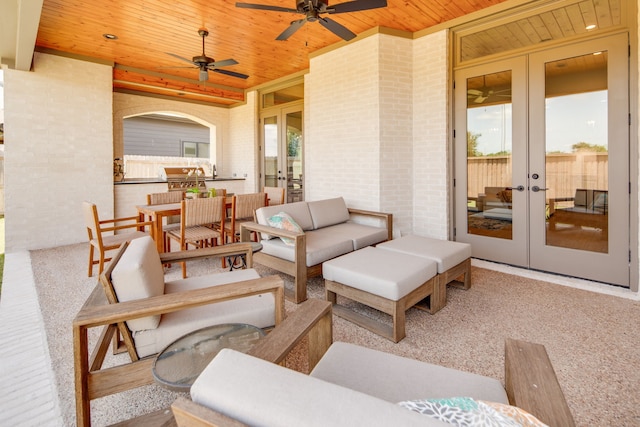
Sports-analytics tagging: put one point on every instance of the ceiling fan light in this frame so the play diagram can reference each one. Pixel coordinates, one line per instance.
(204, 76)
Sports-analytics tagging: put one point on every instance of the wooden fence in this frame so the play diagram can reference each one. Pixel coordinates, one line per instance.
(565, 172)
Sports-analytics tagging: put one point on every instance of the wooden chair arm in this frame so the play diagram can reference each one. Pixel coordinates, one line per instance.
(216, 251)
(123, 227)
(93, 316)
(129, 218)
(387, 217)
(532, 385)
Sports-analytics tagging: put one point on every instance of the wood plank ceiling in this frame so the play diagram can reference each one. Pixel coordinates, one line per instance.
(148, 30)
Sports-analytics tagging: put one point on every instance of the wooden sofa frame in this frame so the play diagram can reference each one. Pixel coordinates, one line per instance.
(91, 381)
(298, 268)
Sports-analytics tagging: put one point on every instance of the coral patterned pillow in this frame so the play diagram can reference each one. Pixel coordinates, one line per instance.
(283, 221)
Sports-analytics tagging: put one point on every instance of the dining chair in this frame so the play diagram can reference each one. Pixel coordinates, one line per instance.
(243, 208)
(198, 224)
(173, 222)
(275, 195)
(102, 237)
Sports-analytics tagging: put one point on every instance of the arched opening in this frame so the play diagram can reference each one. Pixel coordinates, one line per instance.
(155, 140)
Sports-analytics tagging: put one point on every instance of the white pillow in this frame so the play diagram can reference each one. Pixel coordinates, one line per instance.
(283, 221)
(139, 274)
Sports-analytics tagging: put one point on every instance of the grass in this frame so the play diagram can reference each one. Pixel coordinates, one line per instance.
(1, 250)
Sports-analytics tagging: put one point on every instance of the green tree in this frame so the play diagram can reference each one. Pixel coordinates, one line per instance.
(472, 144)
(585, 146)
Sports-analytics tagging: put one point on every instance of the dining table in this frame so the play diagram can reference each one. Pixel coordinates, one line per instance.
(158, 212)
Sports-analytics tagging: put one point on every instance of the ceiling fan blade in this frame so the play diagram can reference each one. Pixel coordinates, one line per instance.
(474, 92)
(223, 63)
(230, 73)
(337, 29)
(356, 5)
(480, 99)
(169, 68)
(265, 7)
(295, 25)
(181, 58)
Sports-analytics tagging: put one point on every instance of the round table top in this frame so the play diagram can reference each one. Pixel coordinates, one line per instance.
(181, 362)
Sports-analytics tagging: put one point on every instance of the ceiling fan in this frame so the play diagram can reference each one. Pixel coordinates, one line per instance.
(312, 10)
(206, 64)
(481, 96)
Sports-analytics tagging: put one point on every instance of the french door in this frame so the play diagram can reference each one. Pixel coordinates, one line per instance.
(281, 149)
(542, 160)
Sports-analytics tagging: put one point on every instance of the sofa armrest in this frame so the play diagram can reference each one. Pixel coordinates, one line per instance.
(386, 217)
(532, 385)
(312, 319)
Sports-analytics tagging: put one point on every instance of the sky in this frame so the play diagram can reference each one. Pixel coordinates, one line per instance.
(569, 119)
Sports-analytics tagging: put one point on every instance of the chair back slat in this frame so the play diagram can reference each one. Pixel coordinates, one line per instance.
(165, 198)
(246, 204)
(90, 213)
(209, 210)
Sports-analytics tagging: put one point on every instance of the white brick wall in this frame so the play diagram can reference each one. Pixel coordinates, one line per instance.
(58, 150)
(377, 129)
(396, 133)
(342, 147)
(432, 171)
(240, 150)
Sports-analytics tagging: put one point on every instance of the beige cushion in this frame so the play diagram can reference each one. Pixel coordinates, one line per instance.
(328, 212)
(259, 393)
(138, 275)
(394, 378)
(299, 211)
(447, 254)
(257, 310)
(362, 235)
(388, 274)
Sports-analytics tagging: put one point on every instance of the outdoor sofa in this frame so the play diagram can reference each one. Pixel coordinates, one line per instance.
(311, 233)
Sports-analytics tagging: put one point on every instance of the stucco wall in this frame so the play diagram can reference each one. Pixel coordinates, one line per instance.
(58, 150)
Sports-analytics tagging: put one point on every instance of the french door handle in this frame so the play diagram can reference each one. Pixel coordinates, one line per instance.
(535, 189)
(519, 188)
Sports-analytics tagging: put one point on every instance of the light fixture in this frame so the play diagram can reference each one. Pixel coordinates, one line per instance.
(590, 27)
(110, 36)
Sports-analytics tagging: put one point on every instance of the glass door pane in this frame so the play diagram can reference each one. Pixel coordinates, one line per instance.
(270, 135)
(579, 160)
(489, 155)
(491, 160)
(293, 139)
(577, 153)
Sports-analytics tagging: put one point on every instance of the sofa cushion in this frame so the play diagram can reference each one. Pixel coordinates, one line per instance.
(299, 211)
(446, 253)
(395, 378)
(258, 393)
(361, 235)
(283, 221)
(328, 212)
(322, 245)
(257, 310)
(137, 275)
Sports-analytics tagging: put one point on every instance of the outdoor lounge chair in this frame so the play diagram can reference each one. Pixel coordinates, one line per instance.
(149, 313)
